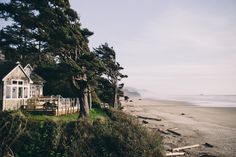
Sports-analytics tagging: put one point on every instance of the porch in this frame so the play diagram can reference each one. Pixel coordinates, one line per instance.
(54, 105)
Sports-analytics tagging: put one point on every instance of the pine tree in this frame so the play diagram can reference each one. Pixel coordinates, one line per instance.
(113, 71)
(45, 30)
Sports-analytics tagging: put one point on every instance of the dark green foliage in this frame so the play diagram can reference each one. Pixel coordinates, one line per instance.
(38, 26)
(112, 74)
(40, 139)
(120, 135)
(58, 80)
(96, 104)
(12, 125)
(48, 35)
(41, 31)
(105, 90)
(97, 113)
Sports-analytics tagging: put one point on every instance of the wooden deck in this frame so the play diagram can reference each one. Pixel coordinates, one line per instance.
(55, 105)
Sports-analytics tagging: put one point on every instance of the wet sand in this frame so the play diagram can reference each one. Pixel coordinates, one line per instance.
(197, 125)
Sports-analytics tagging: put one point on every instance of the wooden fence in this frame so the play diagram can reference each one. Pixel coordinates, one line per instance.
(54, 105)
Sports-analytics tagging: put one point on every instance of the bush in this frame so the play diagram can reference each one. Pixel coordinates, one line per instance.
(12, 125)
(96, 104)
(120, 135)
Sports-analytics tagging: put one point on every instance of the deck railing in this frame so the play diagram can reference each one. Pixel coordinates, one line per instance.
(56, 104)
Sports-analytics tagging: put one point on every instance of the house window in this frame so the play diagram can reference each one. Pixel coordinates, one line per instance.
(25, 92)
(8, 92)
(14, 92)
(17, 82)
(20, 92)
(17, 90)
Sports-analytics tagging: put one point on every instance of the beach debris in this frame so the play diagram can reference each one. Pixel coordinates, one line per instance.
(174, 153)
(208, 145)
(207, 155)
(172, 130)
(149, 118)
(139, 99)
(130, 105)
(167, 148)
(162, 131)
(182, 114)
(145, 122)
(131, 101)
(185, 147)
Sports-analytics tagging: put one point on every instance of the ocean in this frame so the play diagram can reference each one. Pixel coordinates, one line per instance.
(207, 100)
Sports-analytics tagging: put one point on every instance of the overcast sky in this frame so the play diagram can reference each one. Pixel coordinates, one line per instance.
(168, 46)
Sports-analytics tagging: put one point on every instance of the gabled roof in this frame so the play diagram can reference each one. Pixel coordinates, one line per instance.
(7, 67)
(28, 66)
(36, 78)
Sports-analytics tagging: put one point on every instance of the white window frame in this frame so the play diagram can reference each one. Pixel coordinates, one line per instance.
(17, 85)
(27, 96)
(17, 80)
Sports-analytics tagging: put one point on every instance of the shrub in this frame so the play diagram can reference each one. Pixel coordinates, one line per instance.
(12, 125)
(120, 135)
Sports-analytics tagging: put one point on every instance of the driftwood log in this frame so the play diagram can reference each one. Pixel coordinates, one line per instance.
(149, 118)
(163, 131)
(185, 147)
(174, 153)
(208, 145)
(174, 132)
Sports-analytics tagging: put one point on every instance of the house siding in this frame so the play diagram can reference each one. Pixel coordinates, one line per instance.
(17, 74)
(1, 96)
(16, 101)
(1, 92)
(36, 90)
(14, 104)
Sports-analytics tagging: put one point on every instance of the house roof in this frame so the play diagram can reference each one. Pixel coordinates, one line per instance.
(36, 78)
(28, 66)
(7, 67)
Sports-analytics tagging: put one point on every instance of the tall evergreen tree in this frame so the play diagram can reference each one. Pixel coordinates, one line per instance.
(47, 29)
(113, 71)
(38, 26)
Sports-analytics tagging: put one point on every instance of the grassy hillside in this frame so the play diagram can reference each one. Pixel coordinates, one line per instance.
(106, 133)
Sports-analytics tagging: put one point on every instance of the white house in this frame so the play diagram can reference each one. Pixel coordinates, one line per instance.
(18, 84)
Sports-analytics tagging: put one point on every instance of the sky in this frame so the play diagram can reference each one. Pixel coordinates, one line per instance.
(168, 47)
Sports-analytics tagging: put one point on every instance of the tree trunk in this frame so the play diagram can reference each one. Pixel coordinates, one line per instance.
(84, 106)
(83, 97)
(115, 100)
(89, 97)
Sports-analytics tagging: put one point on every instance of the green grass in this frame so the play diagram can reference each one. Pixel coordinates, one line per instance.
(94, 114)
(97, 113)
(63, 118)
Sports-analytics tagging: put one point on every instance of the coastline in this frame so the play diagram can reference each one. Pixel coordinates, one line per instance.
(196, 124)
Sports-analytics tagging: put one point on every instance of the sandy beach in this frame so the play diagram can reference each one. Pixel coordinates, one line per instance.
(196, 125)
